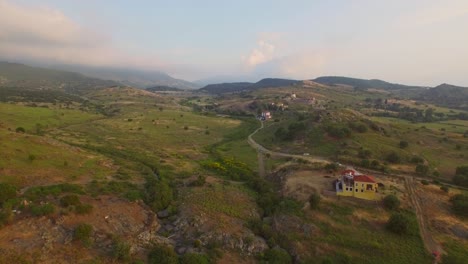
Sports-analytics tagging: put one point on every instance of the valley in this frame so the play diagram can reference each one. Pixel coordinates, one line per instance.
(117, 174)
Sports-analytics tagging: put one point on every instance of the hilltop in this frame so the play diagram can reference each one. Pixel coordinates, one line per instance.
(447, 95)
(15, 75)
(247, 86)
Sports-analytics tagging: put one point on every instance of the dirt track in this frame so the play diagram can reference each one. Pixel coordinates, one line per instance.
(429, 243)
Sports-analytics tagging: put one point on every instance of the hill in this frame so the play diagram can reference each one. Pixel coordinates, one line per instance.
(15, 75)
(447, 95)
(246, 86)
(362, 83)
(163, 89)
(131, 77)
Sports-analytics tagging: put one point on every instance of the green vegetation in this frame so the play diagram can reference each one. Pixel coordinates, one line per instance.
(161, 254)
(41, 210)
(277, 256)
(398, 223)
(460, 204)
(391, 202)
(83, 233)
(461, 176)
(194, 258)
(7, 191)
(314, 200)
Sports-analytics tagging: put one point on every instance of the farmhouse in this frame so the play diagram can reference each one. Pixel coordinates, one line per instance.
(352, 183)
(266, 115)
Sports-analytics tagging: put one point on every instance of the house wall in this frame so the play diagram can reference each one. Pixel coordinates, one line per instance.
(361, 191)
(345, 192)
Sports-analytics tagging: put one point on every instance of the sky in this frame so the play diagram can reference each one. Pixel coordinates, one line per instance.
(418, 42)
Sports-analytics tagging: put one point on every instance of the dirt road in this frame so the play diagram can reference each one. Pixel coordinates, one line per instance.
(410, 182)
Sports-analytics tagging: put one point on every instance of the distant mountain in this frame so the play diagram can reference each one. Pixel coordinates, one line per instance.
(246, 86)
(362, 83)
(15, 75)
(447, 95)
(131, 77)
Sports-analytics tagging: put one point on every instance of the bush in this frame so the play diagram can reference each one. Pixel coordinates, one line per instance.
(194, 258)
(461, 176)
(422, 169)
(403, 144)
(314, 200)
(391, 202)
(83, 209)
(7, 191)
(158, 193)
(41, 210)
(162, 254)
(277, 256)
(444, 188)
(393, 157)
(71, 199)
(121, 250)
(398, 223)
(424, 182)
(460, 204)
(83, 234)
(31, 157)
(20, 130)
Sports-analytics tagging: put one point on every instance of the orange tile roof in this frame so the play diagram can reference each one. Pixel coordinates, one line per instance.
(364, 178)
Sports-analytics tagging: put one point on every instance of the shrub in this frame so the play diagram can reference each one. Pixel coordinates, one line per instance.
(31, 157)
(6, 216)
(461, 176)
(393, 157)
(403, 144)
(162, 254)
(7, 191)
(83, 233)
(460, 204)
(444, 189)
(422, 169)
(314, 200)
(158, 193)
(20, 130)
(120, 250)
(194, 258)
(364, 153)
(391, 202)
(424, 182)
(71, 199)
(83, 209)
(398, 223)
(277, 256)
(40, 210)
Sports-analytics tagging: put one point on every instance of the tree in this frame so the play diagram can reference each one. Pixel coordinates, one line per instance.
(162, 254)
(403, 144)
(460, 204)
(314, 200)
(398, 223)
(20, 130)
(391, 202)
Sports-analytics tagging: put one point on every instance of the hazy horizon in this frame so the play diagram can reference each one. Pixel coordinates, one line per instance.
(409, 42)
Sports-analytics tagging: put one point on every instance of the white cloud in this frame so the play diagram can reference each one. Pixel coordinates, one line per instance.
(264, 52)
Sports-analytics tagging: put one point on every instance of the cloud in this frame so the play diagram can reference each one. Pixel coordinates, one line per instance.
(47, 34)
(264, 52)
